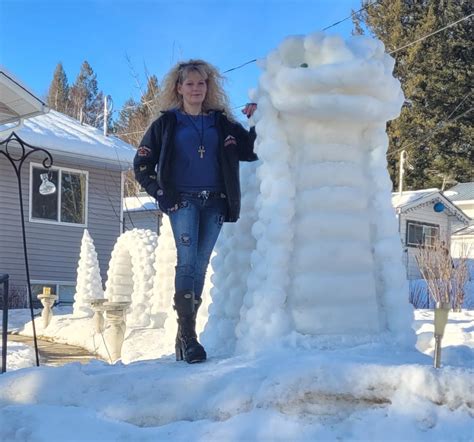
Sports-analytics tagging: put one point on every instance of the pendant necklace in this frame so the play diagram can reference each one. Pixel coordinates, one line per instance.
(201, 150)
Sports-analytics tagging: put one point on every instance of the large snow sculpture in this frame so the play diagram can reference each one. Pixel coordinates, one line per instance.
(231, 266)
(89, 281)
(328, 255)
(130, 275)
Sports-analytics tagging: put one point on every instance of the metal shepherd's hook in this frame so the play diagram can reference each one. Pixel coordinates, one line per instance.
(16, 151)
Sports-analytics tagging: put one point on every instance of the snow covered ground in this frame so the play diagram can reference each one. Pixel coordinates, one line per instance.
(325, 388)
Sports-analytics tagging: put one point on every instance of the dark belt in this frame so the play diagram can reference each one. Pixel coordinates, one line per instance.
(204, 194)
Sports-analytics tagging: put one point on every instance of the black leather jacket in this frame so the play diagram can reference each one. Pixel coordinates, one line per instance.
(152, 161)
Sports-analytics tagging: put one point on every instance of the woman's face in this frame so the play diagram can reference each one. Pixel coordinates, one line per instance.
(193, 89)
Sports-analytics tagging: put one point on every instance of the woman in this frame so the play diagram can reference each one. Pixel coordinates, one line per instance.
(189, 161)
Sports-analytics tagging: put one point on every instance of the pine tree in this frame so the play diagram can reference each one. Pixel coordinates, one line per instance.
(58, 93)
(86, 100)
(436, 75)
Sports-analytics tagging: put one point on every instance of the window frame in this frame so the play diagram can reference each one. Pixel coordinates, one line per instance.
(59, 191)
(423, 225)
(56, 284)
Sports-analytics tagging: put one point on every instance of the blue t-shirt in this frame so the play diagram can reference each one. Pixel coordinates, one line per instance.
(193, 168)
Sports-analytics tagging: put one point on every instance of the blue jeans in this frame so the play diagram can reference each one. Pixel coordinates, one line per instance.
(196, 226)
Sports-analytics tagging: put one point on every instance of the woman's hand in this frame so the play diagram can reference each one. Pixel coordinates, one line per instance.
(166, 204)
(249, 109)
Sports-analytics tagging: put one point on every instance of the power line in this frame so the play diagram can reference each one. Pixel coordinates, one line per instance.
(432, 33)
(255, 59)
(439, 126)
(240, 66)
(324, 29)
(352, 15)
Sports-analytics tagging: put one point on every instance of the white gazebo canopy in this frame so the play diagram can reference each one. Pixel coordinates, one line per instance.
(16, 100)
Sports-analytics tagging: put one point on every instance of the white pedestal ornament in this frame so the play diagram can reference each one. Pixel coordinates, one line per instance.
(115, 328)
(47, 300)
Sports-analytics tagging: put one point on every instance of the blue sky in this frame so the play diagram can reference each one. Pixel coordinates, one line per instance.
(153, 34)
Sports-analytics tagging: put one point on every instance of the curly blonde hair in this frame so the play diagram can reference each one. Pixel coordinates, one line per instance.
(216, 98)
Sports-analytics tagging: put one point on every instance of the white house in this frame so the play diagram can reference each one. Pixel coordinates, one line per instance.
(423, 216)
(17, 102)
(87, 173)
(462, 242)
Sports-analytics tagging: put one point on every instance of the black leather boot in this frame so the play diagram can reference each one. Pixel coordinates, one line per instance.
(187, 346)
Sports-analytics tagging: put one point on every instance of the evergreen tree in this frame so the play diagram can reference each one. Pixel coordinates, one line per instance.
(135, 117)
(58, 93)
(86, 100)
(133, 120)
(436, 75)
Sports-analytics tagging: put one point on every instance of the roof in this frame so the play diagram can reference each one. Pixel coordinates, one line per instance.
(17, 101)
(461, 192)
(467, 231)
(411, 200)
(411, 196)
(139, 203)
(61, 134)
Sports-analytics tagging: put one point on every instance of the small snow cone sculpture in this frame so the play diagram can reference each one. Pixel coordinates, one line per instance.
(130, 275)
(328, 257)
(89, 281)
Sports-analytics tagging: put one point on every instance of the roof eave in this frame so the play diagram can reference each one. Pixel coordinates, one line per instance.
(20, 98)
(453, 210)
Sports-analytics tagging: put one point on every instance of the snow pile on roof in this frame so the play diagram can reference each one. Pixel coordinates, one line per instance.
(139, 203)
(58, 132)
(410, 196)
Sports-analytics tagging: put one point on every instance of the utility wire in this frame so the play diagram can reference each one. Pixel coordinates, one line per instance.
(326, 28)
(255, 59)
(439, 126)
(352, 15)
(431, 34)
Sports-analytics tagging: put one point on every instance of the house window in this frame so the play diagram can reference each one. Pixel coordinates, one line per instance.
(421, 234)
(67, 205)
(64, 290)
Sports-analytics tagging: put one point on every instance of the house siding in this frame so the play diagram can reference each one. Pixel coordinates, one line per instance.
(423, 214)
(53, 249)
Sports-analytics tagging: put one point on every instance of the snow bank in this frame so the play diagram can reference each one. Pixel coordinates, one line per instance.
(281, 395)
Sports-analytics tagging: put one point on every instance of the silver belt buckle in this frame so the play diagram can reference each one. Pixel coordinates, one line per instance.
(204, 194)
